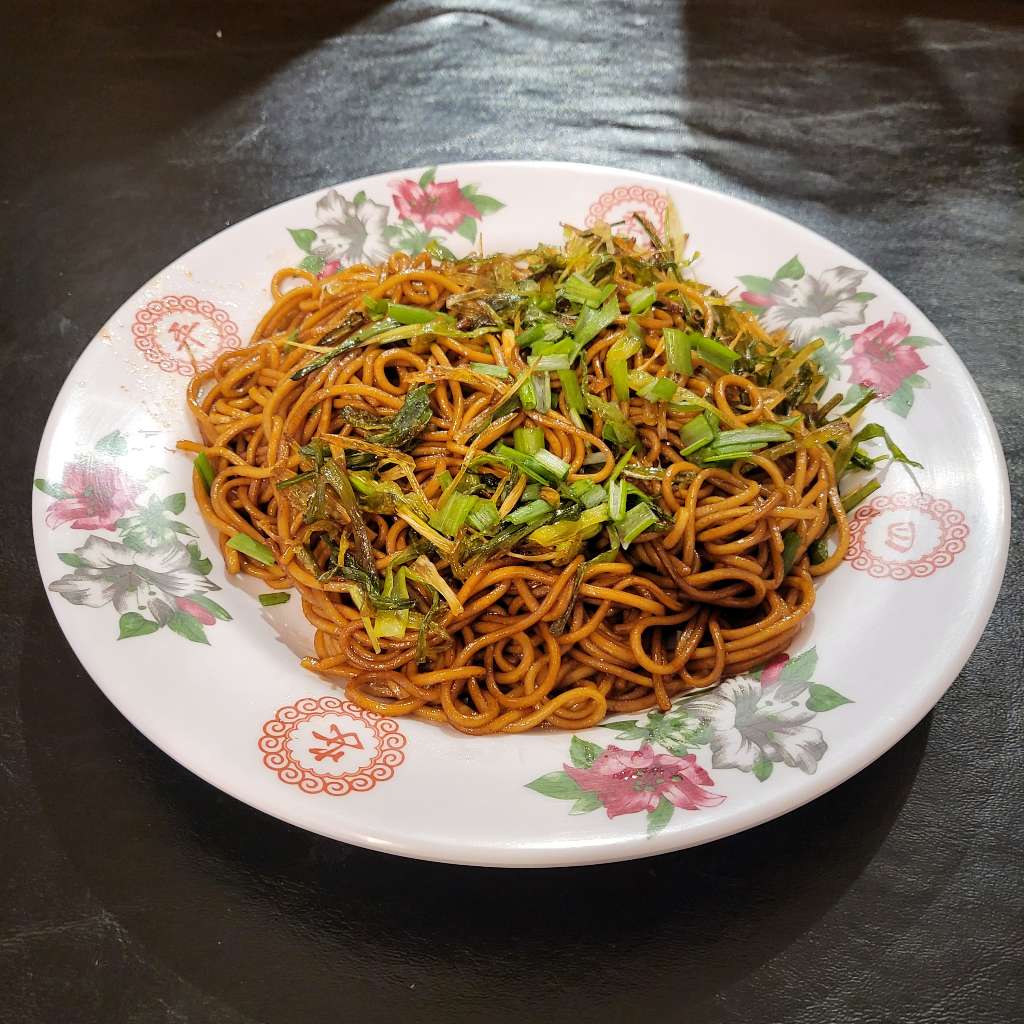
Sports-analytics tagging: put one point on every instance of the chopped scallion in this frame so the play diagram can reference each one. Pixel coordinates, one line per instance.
(678, 351)
(641, 300)
(852, 500)
(528, 440)
(528, 513)
(638, 519)
(696, 434)
(269, 600)
(591, 322)
(448, 519)
(205, 470)
(253, 548)
(414, 314)
(491, 370)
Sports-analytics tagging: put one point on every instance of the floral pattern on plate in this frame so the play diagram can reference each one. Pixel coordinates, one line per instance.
(361, 230)
(750, 723)
(153, 574)
(883, 356)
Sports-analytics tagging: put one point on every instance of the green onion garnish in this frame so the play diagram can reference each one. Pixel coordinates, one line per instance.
(851, 501)
(528, 440)
(542, 391)
(592, 322)
(414, 314)
(714, 352)
(553, 362)
(678, 351)
(448, 519)
(588, 494)
(617, 500)
(546, 331)
(269, 600)
(202, 464)
(528, 513)
(617, 428)
(790, 546)
(641, 300)
(375, 307)
(617, 362)
(573, 392)
(491, 370)
(484, 516)
(638, 519)
(253, 548)
(696, 434)
(577, 289)
(555, 467)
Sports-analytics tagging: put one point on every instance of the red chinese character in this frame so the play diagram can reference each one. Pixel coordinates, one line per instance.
(335, 743)
(182, 334)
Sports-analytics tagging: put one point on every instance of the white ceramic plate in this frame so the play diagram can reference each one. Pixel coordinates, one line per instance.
(213, 678)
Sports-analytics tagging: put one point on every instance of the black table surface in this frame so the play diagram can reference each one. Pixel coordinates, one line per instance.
(131, 131)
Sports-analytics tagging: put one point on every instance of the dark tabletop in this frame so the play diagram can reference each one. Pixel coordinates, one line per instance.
(134, 892)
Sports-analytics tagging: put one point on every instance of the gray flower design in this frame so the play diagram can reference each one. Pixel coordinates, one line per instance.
(810, 304)
(107, 572)
(351, 232)
(750, 722)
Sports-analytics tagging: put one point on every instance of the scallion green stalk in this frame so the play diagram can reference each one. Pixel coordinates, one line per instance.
(252, 548)
(678, 351)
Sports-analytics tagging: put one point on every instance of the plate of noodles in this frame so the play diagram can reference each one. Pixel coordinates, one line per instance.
(521, 514)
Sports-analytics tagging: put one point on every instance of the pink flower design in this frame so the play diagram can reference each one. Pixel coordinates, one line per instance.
(771, 672)
(331, 267)
(628, 781)
(197, 611)
(757, 299)
(880, 360)
(98, 494)
(440, 204)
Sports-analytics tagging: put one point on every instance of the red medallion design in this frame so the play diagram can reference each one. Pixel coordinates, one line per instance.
(180, 333)
(906, 536)
(617, 205)
(329, 745)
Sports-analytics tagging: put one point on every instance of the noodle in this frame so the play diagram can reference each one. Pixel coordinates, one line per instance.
(341, 440)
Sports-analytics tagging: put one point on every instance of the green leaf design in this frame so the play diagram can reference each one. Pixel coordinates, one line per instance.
(191, 629)
(915, 380)
(153, 472)
(586, 803)
(133, 624)
(557, 785)
(303, 237)
(762, 769)
(801, 668)
(918, 341)
(427, 177)
(174, 503)
(863, 296)
(792, 269)
(69, 558)
(583, 753)
(467, 229)
(314, 264)
(901, 401)
(486, 205)
(53, 490)
(855, 394)
(659, 817)
(211, 606)
(761, 285)
(113, 443)
(631, 730)
(824, 698)
(179, 527)
(359, 198)
(199, 564)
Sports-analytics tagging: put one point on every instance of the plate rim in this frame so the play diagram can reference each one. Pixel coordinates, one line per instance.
(889, 731)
